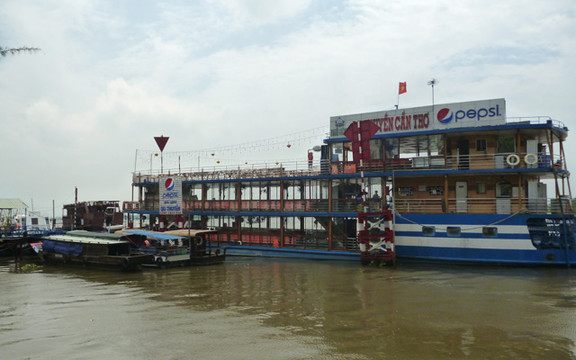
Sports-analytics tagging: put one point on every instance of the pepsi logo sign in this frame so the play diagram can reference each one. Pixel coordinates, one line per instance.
(169, 184)
(446, 115)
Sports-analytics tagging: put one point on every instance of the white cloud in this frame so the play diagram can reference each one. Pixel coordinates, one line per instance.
(206, 73)
(259, 12)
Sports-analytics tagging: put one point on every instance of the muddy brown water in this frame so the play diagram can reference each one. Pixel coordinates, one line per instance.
(251, 308)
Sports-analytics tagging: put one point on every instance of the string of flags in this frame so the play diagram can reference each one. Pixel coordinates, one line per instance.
(281, 146)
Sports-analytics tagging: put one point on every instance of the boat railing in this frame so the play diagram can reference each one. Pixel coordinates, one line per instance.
(252, 234)
(535, 120)
(14, 231)
(520, 160)
(437, 205)
(517, 160)
(484, 206)
(286, 205)
(320, 205)
(246, 171)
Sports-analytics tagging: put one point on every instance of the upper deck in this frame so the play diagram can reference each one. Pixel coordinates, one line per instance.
(425, 163)
(482, 115)
(545, 164)
(473, 137)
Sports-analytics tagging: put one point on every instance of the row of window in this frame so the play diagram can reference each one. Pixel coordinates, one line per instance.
(503, 189)
(456, 231)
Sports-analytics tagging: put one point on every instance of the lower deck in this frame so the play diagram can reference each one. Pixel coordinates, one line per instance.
(519, 238)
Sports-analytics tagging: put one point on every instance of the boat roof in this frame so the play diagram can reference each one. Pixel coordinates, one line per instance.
(79, 239)
(97, 235)
(535, 129)
(12, 204)
(153, 234)
(168, 235)
(190, 232)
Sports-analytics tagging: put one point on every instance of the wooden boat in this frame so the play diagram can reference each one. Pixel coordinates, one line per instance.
(86, 248)
(92, 216)
(183, 247)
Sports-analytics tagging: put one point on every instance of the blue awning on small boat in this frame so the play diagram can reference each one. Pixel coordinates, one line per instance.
(64, 248)
(154, 234)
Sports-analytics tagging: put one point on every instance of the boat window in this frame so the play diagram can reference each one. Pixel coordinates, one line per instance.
(480, 188)
(405, 191)
(428, 230)
(453, 231)
(391, 148)
(506, 145)
(435, 190)
(489, 231)
(422, 146)
(375, 151)
(481, 145)
(545, 234)
(436, 145)
(503, 189)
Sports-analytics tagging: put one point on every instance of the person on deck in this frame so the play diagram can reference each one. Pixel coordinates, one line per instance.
(376, 200)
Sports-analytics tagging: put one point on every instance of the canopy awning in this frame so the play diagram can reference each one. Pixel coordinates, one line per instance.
(154, 234)
(12, 204)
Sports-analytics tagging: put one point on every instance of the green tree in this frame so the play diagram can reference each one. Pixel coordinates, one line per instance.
(13, 51)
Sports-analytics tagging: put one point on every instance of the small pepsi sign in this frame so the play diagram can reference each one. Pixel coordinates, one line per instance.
(170, 195)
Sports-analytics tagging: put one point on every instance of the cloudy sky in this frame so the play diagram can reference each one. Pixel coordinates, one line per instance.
(111, 75)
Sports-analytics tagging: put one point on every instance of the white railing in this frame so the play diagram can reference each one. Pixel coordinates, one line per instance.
(252, 171)
(484, 206)
(302, 168)
(400, 205)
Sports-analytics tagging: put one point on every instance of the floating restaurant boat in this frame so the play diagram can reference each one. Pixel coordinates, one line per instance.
(456, 182)
(183, 247)
(91, 249)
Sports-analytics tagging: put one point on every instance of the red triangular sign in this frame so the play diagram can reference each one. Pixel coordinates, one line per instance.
(161, 141)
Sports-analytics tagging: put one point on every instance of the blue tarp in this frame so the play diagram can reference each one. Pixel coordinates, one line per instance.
(63, 248)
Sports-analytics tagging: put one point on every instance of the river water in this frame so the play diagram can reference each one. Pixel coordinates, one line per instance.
(251, 308)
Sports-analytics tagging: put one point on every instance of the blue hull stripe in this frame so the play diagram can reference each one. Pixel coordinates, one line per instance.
(463, 235)
(533, 257)
(469, 219)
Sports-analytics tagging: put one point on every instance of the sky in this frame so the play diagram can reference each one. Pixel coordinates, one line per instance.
(224, 76)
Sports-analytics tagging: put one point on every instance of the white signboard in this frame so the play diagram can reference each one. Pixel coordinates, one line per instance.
(426, 118)
(170, 195)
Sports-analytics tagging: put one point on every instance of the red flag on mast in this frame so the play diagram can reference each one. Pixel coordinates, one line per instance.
(402, 88)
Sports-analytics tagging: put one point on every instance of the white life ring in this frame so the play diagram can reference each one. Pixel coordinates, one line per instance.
(531, 159)
(198, 240)
(513, 160)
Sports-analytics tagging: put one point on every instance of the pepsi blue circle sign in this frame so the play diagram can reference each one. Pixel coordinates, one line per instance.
(169, 184)
(170, 195)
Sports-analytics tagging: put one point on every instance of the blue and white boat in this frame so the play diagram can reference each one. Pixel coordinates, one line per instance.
(17, 220)
(456, 182)
(184, 247)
